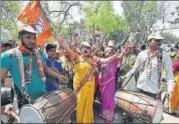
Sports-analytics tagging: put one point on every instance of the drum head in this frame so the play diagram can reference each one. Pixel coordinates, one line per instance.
(158, 113)
(29, 114)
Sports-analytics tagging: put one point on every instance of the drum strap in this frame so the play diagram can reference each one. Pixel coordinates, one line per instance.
(85, 79)
(18, 54)
(160, 65)
(129, 79)
(23, 97)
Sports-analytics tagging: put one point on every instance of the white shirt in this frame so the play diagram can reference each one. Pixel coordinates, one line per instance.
(150, 84)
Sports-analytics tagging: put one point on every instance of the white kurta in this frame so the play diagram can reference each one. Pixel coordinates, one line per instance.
(150, 84)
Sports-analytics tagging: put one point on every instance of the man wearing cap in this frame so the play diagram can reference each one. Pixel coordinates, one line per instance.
(52, 83)
(27, 65)
(151, 62)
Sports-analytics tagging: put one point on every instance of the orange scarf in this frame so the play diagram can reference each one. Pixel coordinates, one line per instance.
(38, 61)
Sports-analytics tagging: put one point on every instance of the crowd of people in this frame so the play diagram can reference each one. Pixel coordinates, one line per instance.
(94, 70)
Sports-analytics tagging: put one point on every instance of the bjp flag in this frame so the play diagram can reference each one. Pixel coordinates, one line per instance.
(33, 15)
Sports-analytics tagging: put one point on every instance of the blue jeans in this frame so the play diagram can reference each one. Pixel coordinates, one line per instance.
(148, 94)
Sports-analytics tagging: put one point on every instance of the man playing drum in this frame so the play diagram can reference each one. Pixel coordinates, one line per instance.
(151, 63)
(27, 65)
(52, 83)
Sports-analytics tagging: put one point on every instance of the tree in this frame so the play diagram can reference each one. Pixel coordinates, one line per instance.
(162, 11)
(10, 10)
(176, 15)
(170, 38)
(100, 15)
(140, 15)
(59, 17)
(63, 30)
(61, 13)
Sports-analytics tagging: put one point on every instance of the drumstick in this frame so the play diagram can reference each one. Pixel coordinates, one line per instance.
(128, 81)
(54, 69)
(15, 117)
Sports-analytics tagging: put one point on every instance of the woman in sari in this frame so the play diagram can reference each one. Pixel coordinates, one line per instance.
(174, 106)
(107, 86)
(84, 79)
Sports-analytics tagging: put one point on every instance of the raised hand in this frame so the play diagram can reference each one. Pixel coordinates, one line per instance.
(74, 35)
(58, 37)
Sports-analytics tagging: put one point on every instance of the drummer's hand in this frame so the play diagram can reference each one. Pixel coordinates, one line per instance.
(170, 93)
(62, 78)
(8, 110)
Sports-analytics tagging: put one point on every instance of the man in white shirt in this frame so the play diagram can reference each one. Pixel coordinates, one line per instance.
(150, 63)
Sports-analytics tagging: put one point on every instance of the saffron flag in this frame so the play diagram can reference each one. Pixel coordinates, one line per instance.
(33, 15)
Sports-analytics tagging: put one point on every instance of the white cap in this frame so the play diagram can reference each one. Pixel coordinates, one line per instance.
(85, 43)
(107, 49)
(111, 43)
(155, 36)
(27, 28)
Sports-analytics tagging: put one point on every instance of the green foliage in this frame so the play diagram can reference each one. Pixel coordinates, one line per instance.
(62, 30)
(170, 38)
(140, 15)
(7, 24)
(100, 15)
(14, 34)
(10, 10)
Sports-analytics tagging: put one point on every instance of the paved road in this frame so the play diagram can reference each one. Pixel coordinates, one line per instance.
(118, 116)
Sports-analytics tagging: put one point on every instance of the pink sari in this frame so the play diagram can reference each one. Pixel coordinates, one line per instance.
(106, 83)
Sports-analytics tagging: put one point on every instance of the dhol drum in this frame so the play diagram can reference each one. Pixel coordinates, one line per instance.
(140, 106)
(53, 107)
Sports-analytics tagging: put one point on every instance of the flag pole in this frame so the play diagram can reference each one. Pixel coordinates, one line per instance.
(48, 20)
